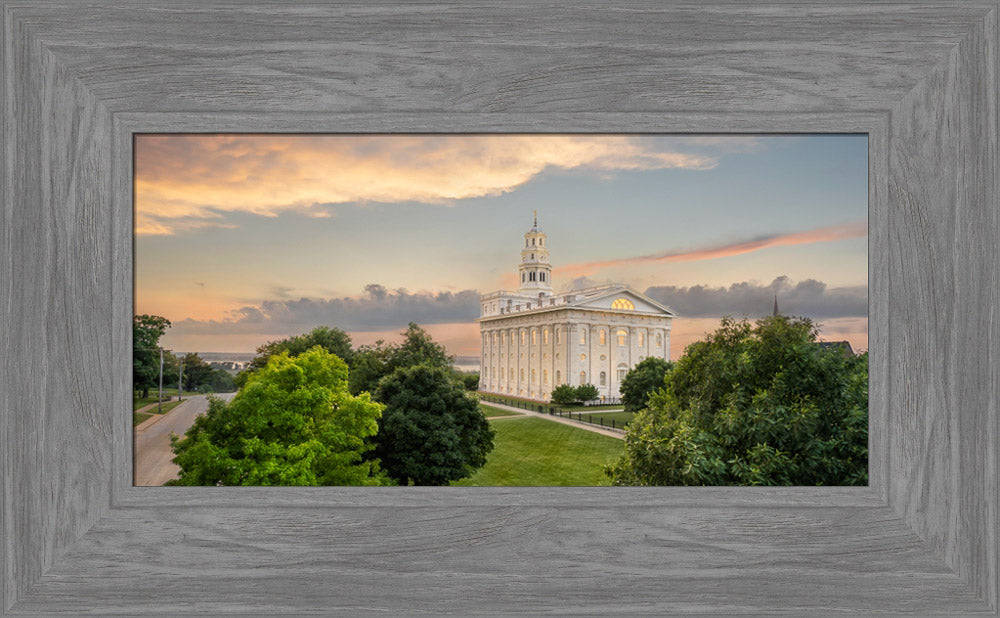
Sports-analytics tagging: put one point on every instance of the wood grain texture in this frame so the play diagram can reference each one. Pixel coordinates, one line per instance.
(919, 78)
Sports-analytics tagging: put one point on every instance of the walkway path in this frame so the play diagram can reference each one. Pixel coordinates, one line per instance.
(606, 431)
(153, 463)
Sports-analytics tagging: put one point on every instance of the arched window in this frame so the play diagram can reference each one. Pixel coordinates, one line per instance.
(583, 357)
(622, 337)
(542, 275)
(522, 374)
(622, 303)
(583, 337)
(604, 378)
(640, 339)
(524, 338)
(532, 241)
(622, 370)
(545, 336)
(558, 377)
(604, 337)
(511, 373)
(522, 277)
(558, 333)
(533, 374)
(534, 337)
(532, 256)
(512, 339)
(659, 339)
(545, 376)
(583, 377)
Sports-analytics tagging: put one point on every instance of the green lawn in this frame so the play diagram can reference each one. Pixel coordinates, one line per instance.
(167, 407)
(537, 452)
(138, 402)
(138, 417)
(490, 411)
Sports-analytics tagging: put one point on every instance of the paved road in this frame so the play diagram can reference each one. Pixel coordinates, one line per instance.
(604, 431)
(151, 440)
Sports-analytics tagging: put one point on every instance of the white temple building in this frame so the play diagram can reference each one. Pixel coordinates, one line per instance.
(534, 340)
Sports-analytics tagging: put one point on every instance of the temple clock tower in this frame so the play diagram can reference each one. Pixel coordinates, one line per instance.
(535, 270)
(534, 340)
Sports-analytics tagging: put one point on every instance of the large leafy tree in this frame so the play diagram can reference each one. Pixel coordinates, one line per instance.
(431, 431)
(754, 405)
(372, 363)
(203, 377)
(333, 340)
(644, 379)
(293, 423)
(146, 333)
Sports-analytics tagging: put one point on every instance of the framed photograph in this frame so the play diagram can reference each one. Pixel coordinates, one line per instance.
(540, 337)
(81, 82)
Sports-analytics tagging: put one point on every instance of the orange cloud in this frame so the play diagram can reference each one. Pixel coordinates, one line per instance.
(824, 234)
(185, 181)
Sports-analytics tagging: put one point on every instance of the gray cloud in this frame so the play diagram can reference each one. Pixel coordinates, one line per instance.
(377, 309)
(808, 298)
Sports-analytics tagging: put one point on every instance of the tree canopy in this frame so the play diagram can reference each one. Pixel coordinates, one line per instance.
(333, 340)
(372, 363)
(293, 423)
(754, 405)
(203, 377)
(146, 332)
(431, 432)
(644, 379)
(564, 394)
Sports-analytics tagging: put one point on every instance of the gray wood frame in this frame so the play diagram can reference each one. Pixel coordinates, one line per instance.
(79, 79)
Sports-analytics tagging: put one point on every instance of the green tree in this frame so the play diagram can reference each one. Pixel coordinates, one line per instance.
(146, 333)
(564, 394)
(202, 377)
(470, 380)
(431, 431)
(372, 363)
(293, 423)
(418, 348)
(587, 392)
(333, 340)
(754, 405)
(196, 371)
(642, 381)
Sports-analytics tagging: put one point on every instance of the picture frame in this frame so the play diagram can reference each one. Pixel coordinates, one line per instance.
(81, 80)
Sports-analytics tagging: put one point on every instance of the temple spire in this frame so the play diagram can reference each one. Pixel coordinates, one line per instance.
(775, 304)
(536, 218)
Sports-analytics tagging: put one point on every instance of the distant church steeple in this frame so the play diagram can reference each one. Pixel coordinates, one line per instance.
(775, 304)
(535, 271)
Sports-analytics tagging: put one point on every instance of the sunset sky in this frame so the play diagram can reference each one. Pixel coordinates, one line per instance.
(241, 239)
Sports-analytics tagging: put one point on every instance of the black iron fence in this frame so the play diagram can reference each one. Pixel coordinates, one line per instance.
(553, 410)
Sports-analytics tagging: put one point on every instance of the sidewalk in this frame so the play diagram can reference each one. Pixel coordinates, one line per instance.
(605, 431)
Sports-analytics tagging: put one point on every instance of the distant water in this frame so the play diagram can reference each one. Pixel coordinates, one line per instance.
(466, 363)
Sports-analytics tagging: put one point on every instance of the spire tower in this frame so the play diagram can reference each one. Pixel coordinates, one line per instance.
(535, 271)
